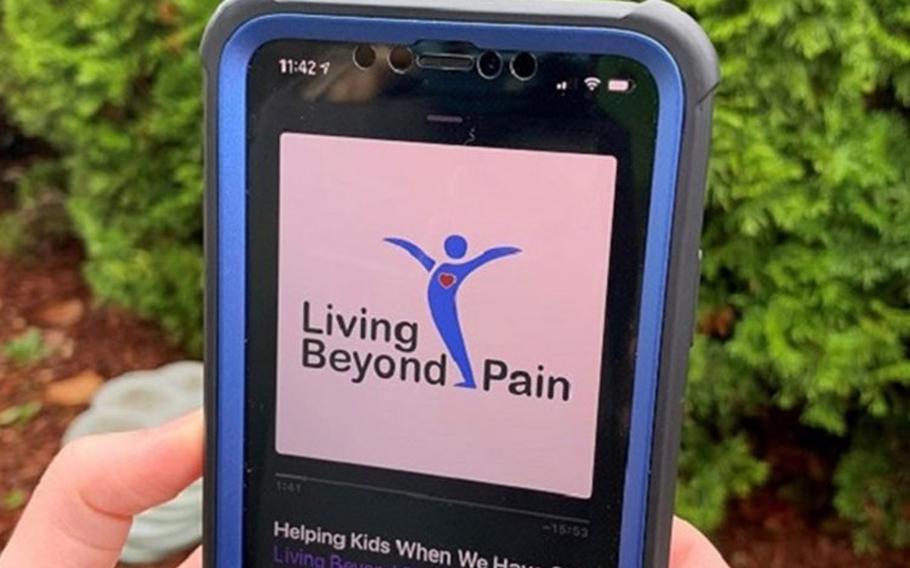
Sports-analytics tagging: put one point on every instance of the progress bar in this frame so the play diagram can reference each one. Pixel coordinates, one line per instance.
(426, 497)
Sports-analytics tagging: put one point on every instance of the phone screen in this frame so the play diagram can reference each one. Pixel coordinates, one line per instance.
(407, 290)
(444, 275)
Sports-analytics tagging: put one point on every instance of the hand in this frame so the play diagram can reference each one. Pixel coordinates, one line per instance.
(80, 513)
(690, 549)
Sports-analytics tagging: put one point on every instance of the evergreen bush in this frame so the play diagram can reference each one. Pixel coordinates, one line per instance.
(805, 292)
(115, 87)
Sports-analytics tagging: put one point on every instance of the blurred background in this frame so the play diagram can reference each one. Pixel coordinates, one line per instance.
(796, 449)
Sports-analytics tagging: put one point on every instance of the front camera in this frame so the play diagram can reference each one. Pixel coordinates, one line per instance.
(401, 58)
(523, 66)
(364, 56)
(489, 65)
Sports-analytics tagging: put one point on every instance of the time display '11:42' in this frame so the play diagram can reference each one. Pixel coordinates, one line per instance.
(309, 67)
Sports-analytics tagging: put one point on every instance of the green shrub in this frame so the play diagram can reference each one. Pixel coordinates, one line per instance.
(805, 290)
(712, 472)
(114, 86)
(873, 479)
(807, 240)
(39, 220)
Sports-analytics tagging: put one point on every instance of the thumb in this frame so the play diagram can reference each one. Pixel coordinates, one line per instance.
(691, 549)
(194, 561)
(81, 511)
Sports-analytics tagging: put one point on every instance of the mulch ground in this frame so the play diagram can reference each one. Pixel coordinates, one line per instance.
(767, 531)
(47, 293)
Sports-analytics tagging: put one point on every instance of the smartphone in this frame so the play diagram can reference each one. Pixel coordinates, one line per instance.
(452, 254)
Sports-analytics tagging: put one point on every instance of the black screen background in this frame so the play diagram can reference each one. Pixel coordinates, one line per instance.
(565, 531)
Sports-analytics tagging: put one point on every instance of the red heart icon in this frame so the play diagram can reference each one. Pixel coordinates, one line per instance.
(447, 280)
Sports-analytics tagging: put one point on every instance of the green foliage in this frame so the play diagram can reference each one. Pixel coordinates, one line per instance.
(20, 414)
(15, 499)
(807, 238)
(39, 219)
(712, 472)
(807, 241)
(26, 348)
(115, 86)
(11, 231)
(873, 479)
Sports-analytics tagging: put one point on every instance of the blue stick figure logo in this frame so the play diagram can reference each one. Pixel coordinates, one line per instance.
(445, 281)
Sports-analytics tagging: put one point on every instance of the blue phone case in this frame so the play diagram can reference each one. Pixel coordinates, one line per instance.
(657, 35)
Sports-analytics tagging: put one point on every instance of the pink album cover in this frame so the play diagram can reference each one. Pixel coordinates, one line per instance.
(441, 308)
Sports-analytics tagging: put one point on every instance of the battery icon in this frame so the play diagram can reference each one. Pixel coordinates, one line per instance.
(620, 85)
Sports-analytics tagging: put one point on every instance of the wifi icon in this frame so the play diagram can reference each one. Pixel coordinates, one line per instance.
(592, 83)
